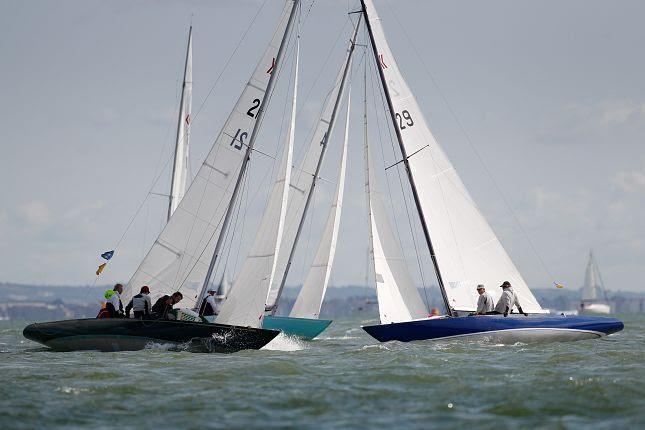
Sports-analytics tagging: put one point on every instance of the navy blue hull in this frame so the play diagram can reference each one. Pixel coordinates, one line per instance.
(514, 327)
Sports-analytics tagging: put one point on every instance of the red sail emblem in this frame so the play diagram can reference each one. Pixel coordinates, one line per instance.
(272, 66)
(383, 65)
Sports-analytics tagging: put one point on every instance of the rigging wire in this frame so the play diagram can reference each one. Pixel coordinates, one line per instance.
(473, 148)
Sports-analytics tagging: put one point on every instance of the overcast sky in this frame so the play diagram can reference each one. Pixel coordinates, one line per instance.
(551, 93)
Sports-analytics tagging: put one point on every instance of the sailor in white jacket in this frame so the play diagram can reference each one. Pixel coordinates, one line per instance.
(508, 300)
(485, 302)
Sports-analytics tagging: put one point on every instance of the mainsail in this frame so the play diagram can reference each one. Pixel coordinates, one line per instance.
(398, 298)
(593, 288)
(180, 256)
(310, 298)
(304, 180)
(466, 249)
(180, 165)
(245, 303)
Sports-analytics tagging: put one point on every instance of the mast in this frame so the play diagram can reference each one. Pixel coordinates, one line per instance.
(406, 163)
(310, 194)
(247, 155)
(178, 164)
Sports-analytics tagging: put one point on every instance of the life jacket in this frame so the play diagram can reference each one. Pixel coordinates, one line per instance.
(103, 313)
(206, 309)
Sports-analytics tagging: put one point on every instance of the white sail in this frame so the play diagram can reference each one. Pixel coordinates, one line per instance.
(303, 176)
(244, 305)
(593, 288)
(179, 258)
(180, 166)
(466, 248)
(398, 298)
(310, 298)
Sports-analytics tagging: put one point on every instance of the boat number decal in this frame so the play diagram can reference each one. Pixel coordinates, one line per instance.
(256, 104)
(404, 115)
(237, 144)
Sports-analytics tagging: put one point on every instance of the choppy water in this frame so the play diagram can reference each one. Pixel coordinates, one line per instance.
(343, 380)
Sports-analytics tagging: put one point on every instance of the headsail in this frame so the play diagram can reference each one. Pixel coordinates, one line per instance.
(180, 166)
(398, 298)
(466, 248)
(310, 298)
(179, 258)
(305, 178)
(246, 302)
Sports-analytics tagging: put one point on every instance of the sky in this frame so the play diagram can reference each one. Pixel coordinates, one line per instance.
(539, 105)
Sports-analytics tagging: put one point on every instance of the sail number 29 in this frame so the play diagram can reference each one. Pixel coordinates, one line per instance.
(404, 115)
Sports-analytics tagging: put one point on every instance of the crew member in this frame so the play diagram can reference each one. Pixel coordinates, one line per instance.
(140, 304)
(165, 304)
(508, 300)
(113, 305)
(208, 307)
(485, 302)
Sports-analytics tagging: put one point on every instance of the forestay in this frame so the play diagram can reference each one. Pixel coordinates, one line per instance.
(180, 165)
(179, 258)
(310, 298)
(244, 305)
(466, 248)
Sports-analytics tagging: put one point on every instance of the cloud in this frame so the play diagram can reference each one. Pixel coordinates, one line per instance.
(630, 180)
(36, 213)
(606, 122)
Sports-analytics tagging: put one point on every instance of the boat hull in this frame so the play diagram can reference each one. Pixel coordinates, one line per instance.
(595, 309)
(499, 329)
(305, 328)
(134, 334)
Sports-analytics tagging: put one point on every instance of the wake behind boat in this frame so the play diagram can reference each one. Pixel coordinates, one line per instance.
(125, 334)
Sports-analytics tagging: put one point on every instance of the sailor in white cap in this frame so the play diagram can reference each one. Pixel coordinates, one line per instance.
(485, 302)
(508, 300)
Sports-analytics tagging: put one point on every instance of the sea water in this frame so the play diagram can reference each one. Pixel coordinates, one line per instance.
(344, 379)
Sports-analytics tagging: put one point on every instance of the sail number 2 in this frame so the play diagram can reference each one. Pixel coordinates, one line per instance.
(404, 115)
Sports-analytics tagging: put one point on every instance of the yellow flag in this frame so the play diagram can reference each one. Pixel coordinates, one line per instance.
(100, 269)
(558, 285)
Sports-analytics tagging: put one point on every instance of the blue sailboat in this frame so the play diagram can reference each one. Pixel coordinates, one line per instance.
(463, 248)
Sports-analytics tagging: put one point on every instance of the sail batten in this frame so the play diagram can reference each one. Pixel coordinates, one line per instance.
(192, 231)
(463, 247)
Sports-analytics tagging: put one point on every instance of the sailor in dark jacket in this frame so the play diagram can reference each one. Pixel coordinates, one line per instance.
(141, 304)
(208, 307)
(165, 303)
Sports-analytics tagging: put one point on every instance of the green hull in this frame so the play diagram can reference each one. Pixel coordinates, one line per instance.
(305, 328)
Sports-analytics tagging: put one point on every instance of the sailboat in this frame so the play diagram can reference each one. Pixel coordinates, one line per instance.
(304, 319)
(463, 248)
(184, 255)
(594, 296)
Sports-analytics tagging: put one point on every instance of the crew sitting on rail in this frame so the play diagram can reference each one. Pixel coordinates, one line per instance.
(165, 303)
(141, 304)
(485, 302)
(113, 305)
(508, 301)
(208, 307)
